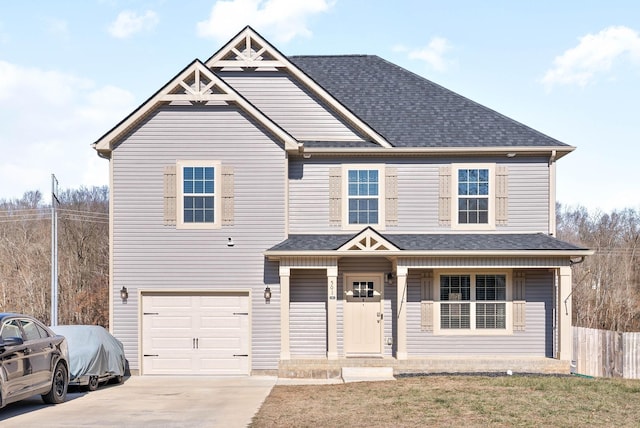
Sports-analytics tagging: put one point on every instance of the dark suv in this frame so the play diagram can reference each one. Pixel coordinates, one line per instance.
(34, 360)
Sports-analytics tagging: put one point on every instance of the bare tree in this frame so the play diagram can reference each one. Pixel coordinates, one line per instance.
(606, 288)
(83, 250)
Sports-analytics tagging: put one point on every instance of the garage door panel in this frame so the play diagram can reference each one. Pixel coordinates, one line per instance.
(220, 365)
(221, 344)
(228, 302)
(169, 365)
(196, 334)
(171, 323)
(172, 344)
(216, 322)
(175, 303)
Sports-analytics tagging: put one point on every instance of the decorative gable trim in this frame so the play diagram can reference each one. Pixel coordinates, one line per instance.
(368, 240)
(196, 84)
(250, 51)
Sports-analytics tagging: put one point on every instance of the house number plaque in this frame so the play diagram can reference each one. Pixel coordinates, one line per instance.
(332, 294)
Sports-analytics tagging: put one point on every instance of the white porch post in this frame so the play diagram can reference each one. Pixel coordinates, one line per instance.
(401, 284)
(285, 273)
(565, 342)
(332, 313)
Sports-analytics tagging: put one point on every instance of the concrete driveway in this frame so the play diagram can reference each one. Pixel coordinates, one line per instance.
(150, 401)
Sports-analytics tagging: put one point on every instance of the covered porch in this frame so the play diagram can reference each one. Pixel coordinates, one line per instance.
(375, 301)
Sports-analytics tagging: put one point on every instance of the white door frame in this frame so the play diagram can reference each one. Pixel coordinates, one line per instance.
(350, 310)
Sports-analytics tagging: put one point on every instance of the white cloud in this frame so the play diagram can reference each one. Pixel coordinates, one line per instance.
(48, 121)
(594, 55)
(128, 23)
(433, 54)
(281, 19)
(57, 27)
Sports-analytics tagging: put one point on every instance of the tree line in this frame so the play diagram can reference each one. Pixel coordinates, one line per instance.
(606, 286)
(83, 256)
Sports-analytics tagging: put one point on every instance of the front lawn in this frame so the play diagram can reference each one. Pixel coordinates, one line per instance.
(469, 401)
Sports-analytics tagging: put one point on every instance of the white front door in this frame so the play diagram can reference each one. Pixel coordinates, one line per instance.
(195, 334)
(363, 315)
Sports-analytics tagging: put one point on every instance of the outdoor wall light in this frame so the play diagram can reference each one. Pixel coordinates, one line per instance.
(390, 276)
(267, 294)
(124, 293)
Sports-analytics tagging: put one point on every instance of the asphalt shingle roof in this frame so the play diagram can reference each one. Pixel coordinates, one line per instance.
(434, 242)
(411, 111)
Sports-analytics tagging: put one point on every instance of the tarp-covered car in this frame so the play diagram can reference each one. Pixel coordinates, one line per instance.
(95, 356)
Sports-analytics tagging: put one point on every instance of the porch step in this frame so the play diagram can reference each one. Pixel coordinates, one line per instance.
(367, 374)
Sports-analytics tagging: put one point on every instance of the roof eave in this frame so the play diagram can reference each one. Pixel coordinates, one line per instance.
(556, 151)
(277, 254)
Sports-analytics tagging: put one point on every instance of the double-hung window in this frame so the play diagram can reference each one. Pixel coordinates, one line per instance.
(364, 195)
(471, 302)
(474, 206)
(198, 198)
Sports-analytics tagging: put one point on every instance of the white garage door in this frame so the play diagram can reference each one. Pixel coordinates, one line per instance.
(195, 334)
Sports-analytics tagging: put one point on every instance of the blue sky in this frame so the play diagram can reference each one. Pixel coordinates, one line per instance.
(71, 69)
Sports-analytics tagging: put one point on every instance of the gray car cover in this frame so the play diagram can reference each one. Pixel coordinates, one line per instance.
(93, 351)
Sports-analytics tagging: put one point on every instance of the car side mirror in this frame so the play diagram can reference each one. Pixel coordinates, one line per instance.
(10, 341)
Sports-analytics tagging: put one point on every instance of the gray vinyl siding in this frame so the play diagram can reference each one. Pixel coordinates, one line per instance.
(528, 197)
(150, 256)
(291, 106)
(418, 190)
(308, 313)
(536, 340)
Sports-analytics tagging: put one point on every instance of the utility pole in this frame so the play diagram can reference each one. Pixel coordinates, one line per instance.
(54, 250)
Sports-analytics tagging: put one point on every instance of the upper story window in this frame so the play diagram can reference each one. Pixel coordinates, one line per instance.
(364, 195)
(474, 205)
(473, 196)
(198, 198)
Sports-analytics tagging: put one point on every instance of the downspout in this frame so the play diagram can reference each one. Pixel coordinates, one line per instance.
(552, 193)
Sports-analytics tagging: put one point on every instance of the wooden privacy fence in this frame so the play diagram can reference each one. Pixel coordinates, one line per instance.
(604, 353)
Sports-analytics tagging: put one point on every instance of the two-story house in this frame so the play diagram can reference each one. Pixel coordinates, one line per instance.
(269, 210)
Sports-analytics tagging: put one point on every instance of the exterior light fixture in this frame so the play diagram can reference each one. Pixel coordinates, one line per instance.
(124, 293)
(230, 242)
(390, 276)
(267, 294)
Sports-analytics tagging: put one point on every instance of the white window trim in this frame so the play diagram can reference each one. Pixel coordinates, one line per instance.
(381, 196)
(491, 225)
(217, 200)
(473, 331)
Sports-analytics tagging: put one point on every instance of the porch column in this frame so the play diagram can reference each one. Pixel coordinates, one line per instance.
(565, 343)
(332, 313)
(401, 284)
(285, 273)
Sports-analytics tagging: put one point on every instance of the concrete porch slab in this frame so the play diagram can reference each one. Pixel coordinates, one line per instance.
(367, 374)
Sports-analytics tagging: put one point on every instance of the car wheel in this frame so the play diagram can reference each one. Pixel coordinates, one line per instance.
(93, 383)
(117, 379)
(59, 384)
